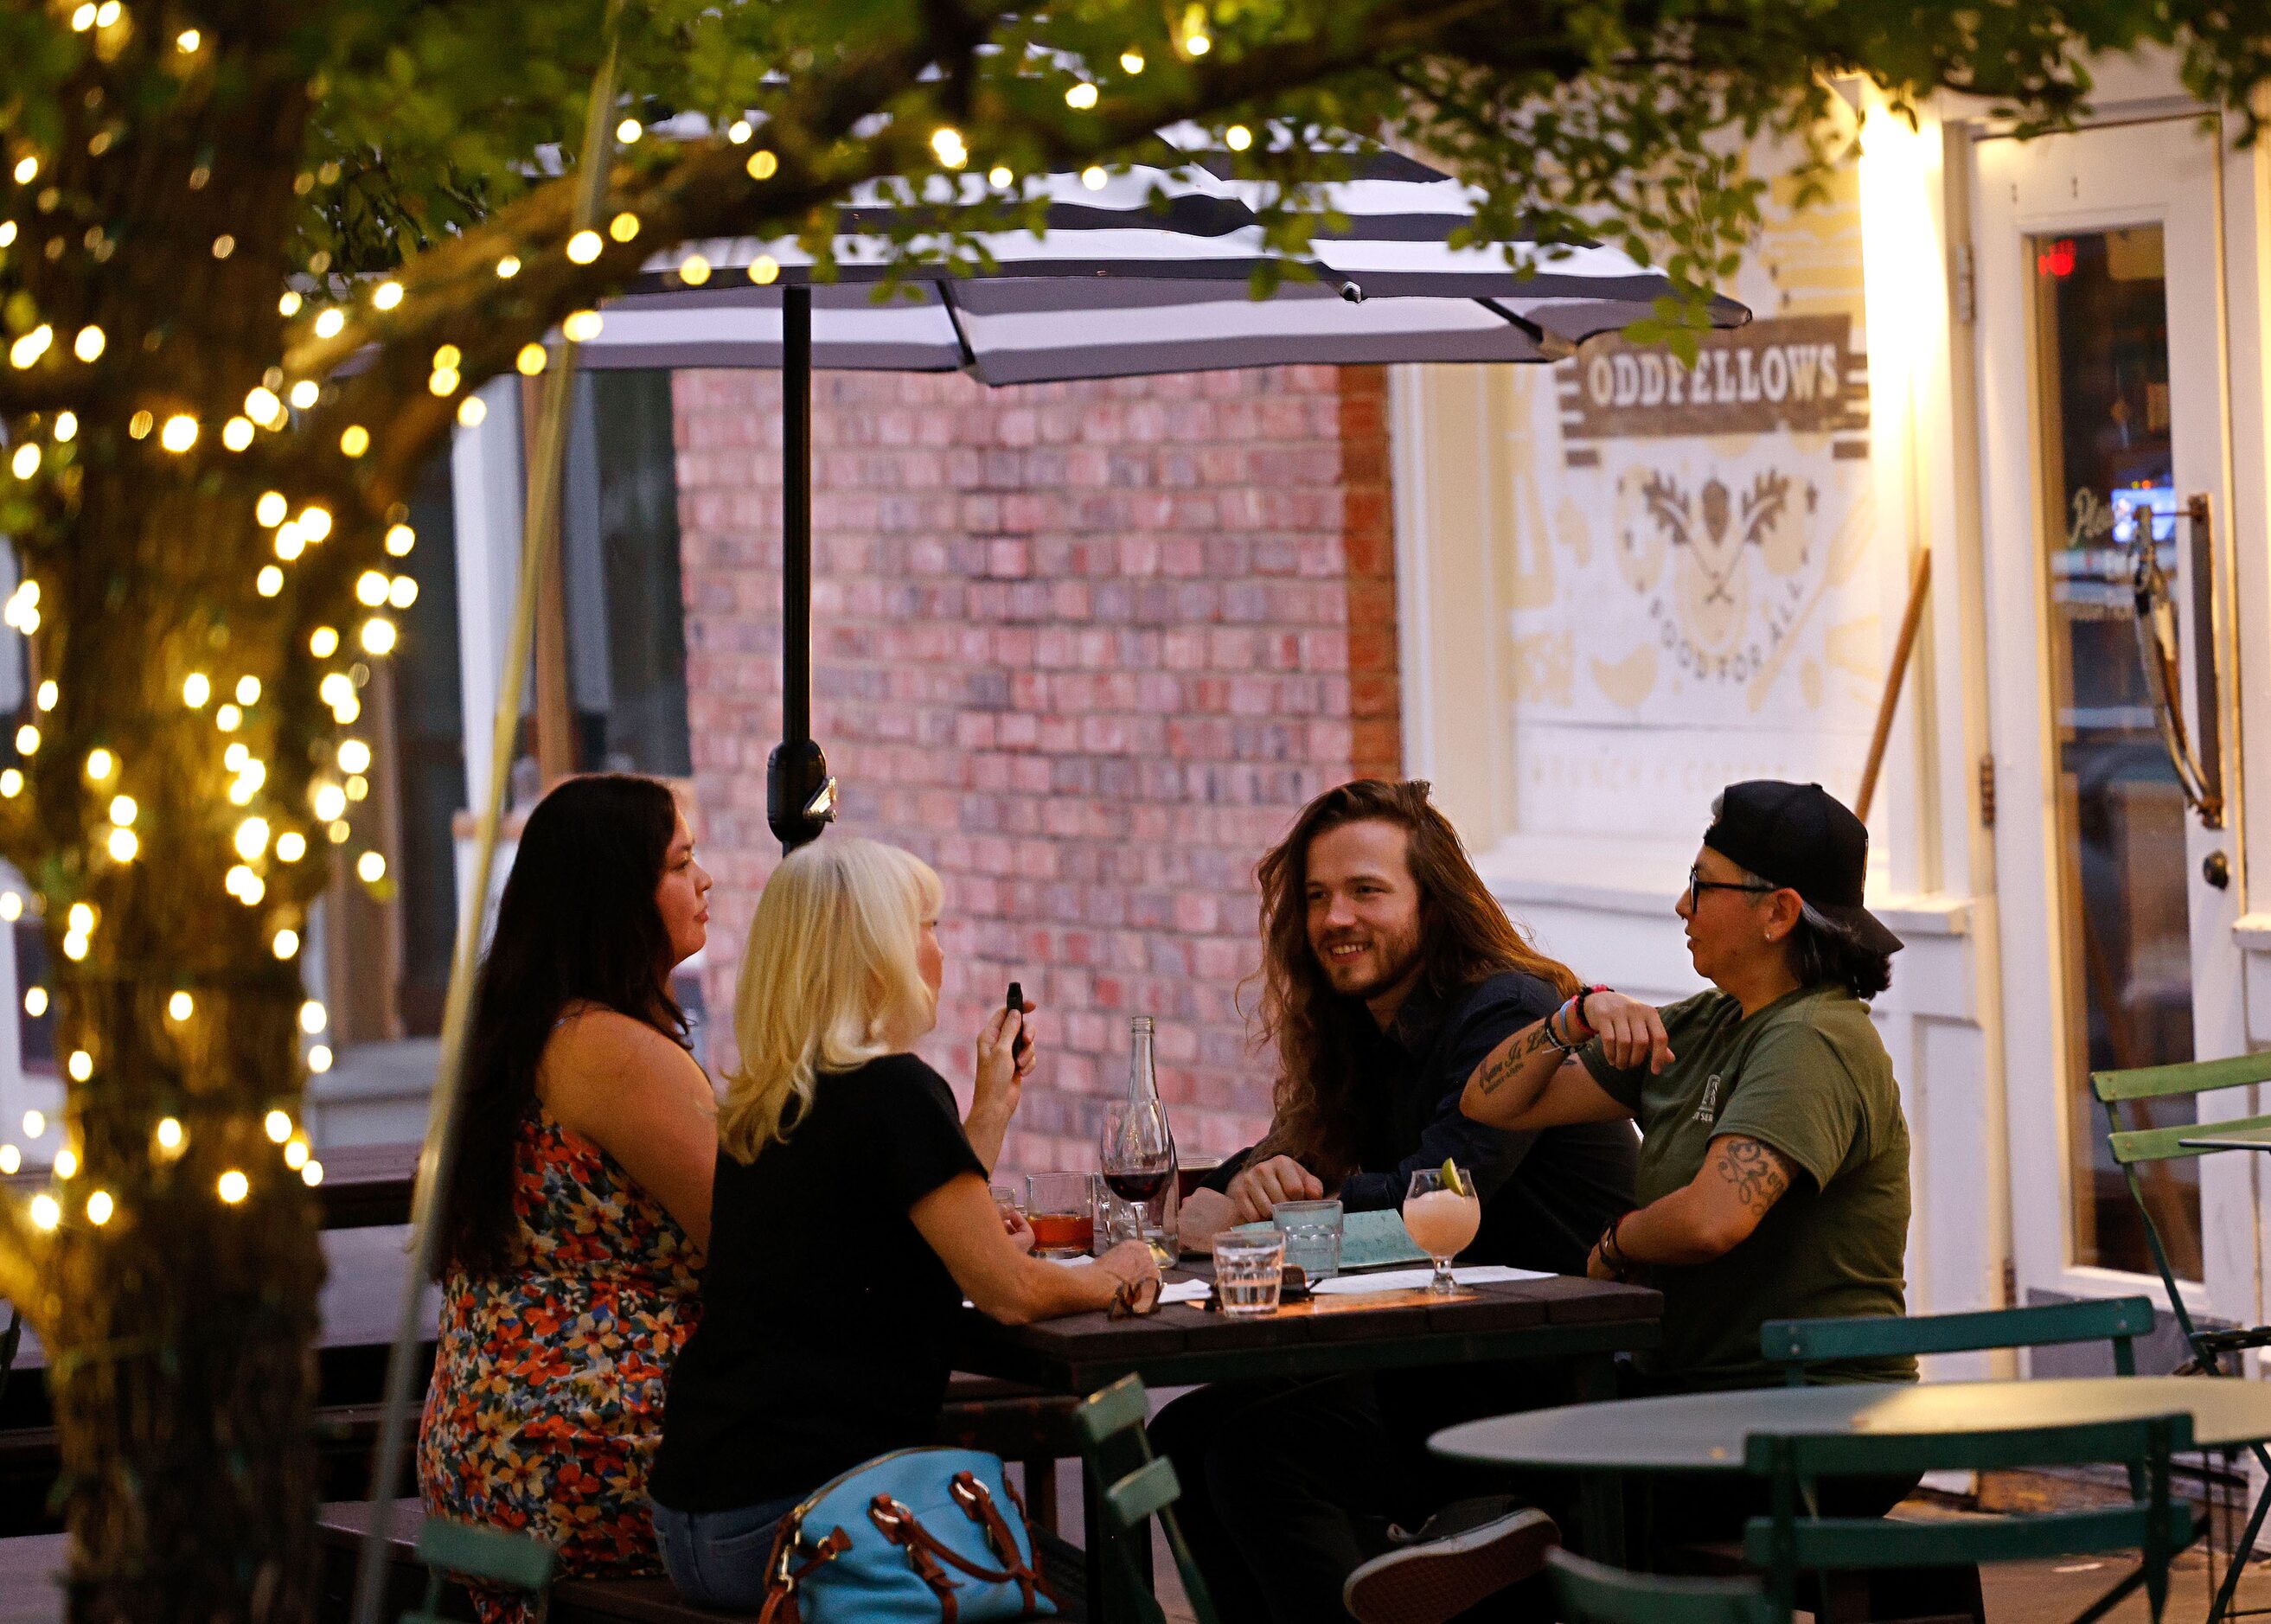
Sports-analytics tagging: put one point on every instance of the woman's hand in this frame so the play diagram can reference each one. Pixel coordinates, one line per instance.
(1000, 1080)
(1131, 1262)
(1631, 1032)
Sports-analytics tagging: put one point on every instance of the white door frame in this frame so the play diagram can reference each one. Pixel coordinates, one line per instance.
(2164, 173)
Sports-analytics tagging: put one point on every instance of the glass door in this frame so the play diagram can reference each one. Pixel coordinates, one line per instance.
(2103, 457)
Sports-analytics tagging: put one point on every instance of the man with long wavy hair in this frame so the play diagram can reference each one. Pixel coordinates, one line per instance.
(1388, 972)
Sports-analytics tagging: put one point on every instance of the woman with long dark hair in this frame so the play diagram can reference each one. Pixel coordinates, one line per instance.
(579, 1203)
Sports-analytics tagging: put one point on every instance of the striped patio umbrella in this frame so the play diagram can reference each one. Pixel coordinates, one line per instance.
(1139, 272)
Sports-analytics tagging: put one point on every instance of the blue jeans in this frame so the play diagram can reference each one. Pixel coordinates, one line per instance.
(717, 1559)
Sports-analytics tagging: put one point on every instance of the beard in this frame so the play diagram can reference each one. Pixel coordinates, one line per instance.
(1386, 961)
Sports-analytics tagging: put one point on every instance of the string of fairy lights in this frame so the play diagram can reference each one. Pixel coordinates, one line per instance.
(267, 836)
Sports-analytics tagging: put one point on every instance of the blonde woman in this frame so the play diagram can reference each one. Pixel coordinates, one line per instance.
(849, 1217)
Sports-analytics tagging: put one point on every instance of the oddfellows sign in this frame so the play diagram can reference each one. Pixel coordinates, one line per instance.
(1796, 373)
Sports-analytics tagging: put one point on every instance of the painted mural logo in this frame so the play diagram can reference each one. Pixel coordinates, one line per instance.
(1723, 569)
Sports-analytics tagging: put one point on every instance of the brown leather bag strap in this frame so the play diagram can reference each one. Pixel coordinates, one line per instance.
(780, 1588)
(977, 1503)
(898, 1525)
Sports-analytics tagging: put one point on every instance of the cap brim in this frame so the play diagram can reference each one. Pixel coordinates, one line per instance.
(1864, 927)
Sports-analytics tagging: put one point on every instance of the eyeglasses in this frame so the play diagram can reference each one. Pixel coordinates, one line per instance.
(1135, 1300)
(1697, 885)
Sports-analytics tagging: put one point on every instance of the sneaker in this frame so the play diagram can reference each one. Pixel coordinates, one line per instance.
(1465, 1552)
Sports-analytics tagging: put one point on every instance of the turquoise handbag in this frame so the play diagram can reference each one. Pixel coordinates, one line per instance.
(915, 1537)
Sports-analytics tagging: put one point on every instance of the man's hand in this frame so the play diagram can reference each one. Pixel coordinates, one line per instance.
(1020, 1233)
(1631, 1032)
(1205, 1215)
(1257, 1189)
(1594, 1267)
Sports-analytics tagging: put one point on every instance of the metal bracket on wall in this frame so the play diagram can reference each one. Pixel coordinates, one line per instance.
(1987, 790)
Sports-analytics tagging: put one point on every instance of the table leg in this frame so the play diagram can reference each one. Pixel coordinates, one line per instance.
(1601, 1495)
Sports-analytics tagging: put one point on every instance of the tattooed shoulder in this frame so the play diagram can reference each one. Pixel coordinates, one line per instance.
(1759, 1172)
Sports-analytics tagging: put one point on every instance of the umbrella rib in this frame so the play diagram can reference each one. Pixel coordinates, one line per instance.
(954, 319)
(1551, 345)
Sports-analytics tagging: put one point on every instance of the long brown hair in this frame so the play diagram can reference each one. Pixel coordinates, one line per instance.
(1464, 938)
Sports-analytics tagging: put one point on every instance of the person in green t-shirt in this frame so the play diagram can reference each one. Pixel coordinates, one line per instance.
(1774, 1168)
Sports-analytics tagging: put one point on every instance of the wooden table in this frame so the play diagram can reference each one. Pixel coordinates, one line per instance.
(1586, 1322)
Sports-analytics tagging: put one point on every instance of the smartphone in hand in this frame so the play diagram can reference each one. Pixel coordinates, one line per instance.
(1017, 1001)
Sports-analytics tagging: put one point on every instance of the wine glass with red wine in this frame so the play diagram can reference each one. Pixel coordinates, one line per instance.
(1136, 1155)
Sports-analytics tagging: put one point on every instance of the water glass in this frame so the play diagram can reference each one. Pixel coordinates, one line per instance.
(1247, 1272)
(1313, 1236)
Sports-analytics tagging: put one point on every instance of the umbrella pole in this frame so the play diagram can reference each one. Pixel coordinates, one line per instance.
(800, 796)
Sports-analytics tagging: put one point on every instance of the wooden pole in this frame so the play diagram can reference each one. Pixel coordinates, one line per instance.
(1902, 648)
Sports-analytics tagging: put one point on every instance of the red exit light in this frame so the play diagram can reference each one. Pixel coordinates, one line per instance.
(2057, 259)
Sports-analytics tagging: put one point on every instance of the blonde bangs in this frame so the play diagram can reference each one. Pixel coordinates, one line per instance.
(829, 980)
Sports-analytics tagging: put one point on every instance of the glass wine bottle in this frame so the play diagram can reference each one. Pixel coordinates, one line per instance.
(1137, 1150)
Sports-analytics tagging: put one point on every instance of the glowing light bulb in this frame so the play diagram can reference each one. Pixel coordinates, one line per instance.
(81, 1065)
(583, 326)
(371, 588)
(739, 131)
(66, 427)
(186, 41)
(531, 360)
(179, 434)
(999, 175)
(1093, 177)
(400, 539)
(370, 868)
(251, 838)
(312, 1174)
(81, 918)
(269, 582)
(1081, 96)
(285, 944)
(234, 1186)
(169, 1128)
(181, 1006)
(694, 270)
(45, 1213)
(765, 270)
(12, 906)
(324, 642)
(48, 694)
(278, 1125)
(296, 1154)
(11, 1159)
(1131, 60)
(319, 1059)
(124, 844)
(762, 165)
(472, 410)
(388, 295)
(35, 1005)
(330, 801)
(271, 507)
(629, 131)
(377, 636)
(1237, 137)
(75, 947)
(35, 1124)
(583, 246)
(99, 1208)
(330, 322)
(88, 345)
(289, 304)
(509, 266)
(623, 227)
(28, 740)
(307, 392)
(196, 689)
(355, 440)
(100, 764)
(66, 1163)
(25, 462)
(236, 434)
(313, 1016)
(291, 845)
(228, 718)
(946, 145)
(354, 755)
(315, 522)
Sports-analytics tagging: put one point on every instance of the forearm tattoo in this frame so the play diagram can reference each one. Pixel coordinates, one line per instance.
(1758, 1173)
(1497, 1071)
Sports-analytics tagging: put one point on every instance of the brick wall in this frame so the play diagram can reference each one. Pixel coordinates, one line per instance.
(1085, 649)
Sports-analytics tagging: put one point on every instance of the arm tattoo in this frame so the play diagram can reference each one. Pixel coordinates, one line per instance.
(1498, 1070)
(1759, 1172)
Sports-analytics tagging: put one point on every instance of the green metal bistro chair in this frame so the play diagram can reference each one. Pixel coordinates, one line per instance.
(1797, 1344)
(2136, 1148)
(1133, 1483)
(487, 1554)
(1791, 1541)
(1589, 1593)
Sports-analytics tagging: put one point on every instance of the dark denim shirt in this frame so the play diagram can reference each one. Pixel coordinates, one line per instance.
(1547, 1195)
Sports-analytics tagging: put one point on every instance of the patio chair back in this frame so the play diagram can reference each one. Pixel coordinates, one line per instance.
(1589, 1593)
(1133, 1483)
(1795, 1344)
(1791, 1541)
(2135, 1148)
(486, 1555)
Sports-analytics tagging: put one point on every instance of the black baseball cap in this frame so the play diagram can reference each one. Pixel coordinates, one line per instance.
(1802, 837)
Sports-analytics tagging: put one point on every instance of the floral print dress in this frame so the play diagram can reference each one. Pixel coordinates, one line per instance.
(546, 1405)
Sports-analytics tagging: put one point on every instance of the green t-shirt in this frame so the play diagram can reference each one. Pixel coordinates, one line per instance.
(1808, 1075)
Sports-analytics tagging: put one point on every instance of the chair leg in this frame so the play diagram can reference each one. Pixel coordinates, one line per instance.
(2239, 1549)
(1041, 1494)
